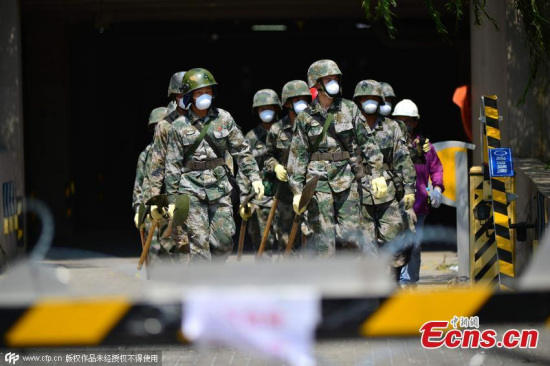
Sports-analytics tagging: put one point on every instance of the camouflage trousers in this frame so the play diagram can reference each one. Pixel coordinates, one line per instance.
(256, 227)
(390, 226)
(210, 228)
(333, 220)
(282, 223)
(172, 249)
(384, 222)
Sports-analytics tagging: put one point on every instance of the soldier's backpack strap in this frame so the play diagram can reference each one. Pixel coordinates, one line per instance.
(174, 115)
(315, 146)
(197, 142)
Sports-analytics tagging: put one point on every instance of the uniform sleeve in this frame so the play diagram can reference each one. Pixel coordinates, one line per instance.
(245, 184)
(435, 168)
(298, 157)
(353, 146)
(137, 196)
(240, 150)
(155, 173)
(402, 162)
(174, 161)
(271, 145)
(373, 158)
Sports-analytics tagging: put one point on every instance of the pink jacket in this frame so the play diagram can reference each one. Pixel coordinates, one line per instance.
(433, 169)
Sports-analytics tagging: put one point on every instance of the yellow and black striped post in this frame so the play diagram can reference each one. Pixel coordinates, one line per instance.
(483, 249)
(499, 187)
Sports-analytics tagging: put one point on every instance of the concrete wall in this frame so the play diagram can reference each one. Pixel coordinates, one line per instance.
(11, 122)
(500, 65)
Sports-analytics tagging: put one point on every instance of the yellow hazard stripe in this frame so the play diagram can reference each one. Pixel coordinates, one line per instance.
(55, 322)
(491, 112)
(406, 312)
(506, 268)
(493, 132)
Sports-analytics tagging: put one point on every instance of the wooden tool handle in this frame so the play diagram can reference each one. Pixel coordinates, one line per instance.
(147, 245)
(292, 236)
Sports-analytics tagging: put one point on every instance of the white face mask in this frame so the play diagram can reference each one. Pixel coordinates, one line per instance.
(385, 109)
(332, 87)
(299, 106)
(203, 102)
(370, 106)
(267, 115)
(181, 104)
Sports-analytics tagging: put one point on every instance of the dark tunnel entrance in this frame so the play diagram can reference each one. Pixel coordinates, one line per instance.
(89, 88)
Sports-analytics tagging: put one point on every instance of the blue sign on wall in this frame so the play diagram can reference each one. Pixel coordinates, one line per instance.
(500, 162)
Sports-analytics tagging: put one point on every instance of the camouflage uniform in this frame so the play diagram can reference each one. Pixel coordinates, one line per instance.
(333, 214)
(389, 94)
(209, 225)
(392, 144)
(256, 224)
(137, 195)
(257, 140)
(383, 217)
(278, 141)
(176, 246)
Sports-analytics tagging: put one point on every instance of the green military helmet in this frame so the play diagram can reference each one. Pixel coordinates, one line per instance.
(157, 115)
(321, 69)
(266, 97)
(387, 90)
(295, 88)
(175, 83)
(195, 79)
(368, 87)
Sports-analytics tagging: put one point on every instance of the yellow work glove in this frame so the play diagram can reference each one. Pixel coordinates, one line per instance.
(136, 218)
(246, 212)
(379, 187)
(296, 203)
(426, 146)
(258, 189)
(409, 201)
(171, 208)
(280, 172)
(156, 214)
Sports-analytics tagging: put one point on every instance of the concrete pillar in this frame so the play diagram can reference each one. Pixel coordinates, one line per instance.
(11, 121)
(488, 59)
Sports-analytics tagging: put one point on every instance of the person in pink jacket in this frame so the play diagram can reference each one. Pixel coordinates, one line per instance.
(428, 167)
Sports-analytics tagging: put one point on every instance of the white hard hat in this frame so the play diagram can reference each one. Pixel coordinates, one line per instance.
(406, 107)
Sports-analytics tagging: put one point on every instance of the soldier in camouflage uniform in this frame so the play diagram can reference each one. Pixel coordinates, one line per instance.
(267, 106)
(383, 217)
(197, 167)
(333, 217)
(142, 184)
(295, 98)
(175, 107)
(176, 246)
(386, 110)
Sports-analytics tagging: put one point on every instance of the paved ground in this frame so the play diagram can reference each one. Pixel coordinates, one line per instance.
(437, 269)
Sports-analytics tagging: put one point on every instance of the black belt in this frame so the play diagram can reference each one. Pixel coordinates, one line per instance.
(330, 156)
(204, 165)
